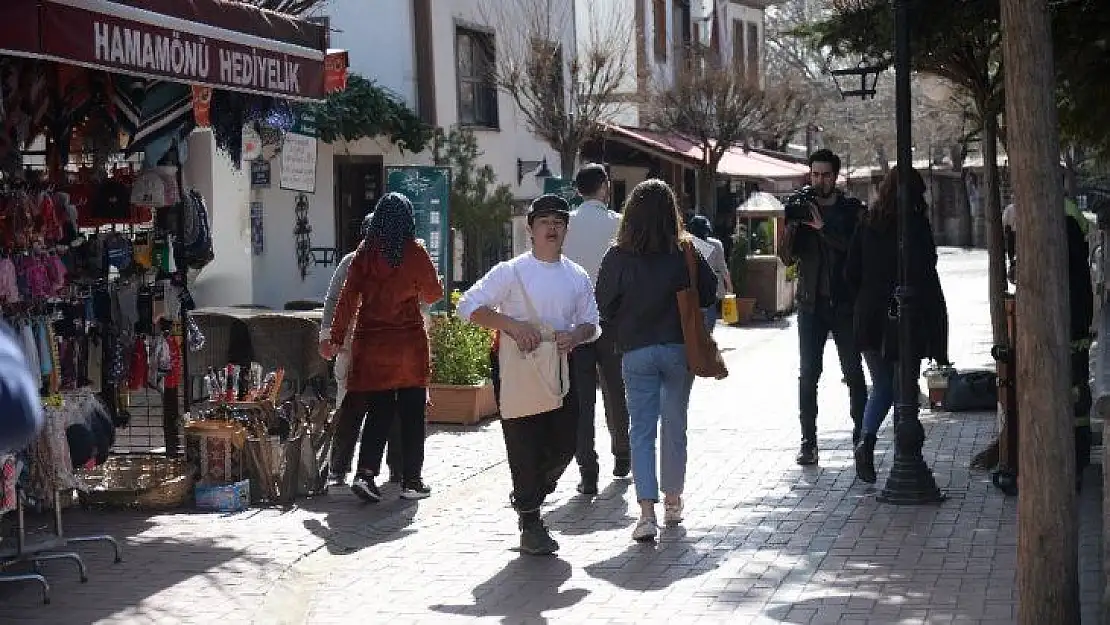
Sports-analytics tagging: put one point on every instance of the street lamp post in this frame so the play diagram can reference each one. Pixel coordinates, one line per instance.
(911, 481)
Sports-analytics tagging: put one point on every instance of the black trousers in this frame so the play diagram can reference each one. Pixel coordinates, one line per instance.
(396, 415)
(599, 364)
(814, 328)
(539, 449)
(1081, 376)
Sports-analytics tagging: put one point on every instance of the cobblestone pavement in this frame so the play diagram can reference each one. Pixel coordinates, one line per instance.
(764, 541)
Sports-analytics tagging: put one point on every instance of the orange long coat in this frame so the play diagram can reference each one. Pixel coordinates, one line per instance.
(390, 346)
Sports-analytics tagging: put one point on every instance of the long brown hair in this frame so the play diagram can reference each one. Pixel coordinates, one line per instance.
(650, 221)
(884, 211)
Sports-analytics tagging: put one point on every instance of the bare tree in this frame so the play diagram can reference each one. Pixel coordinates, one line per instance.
(535, 67)
(715, 107)
(291, 7)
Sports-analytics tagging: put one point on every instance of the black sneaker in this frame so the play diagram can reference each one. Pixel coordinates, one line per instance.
(415, 489)
(588, 485)
(622, 467)
(808, 455)
(535, 540)
(364, 488)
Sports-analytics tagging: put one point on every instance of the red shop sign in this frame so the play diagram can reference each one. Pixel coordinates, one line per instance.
(335, 71)
(128, 39)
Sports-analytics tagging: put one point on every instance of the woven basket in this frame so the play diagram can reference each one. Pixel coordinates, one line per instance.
(137, 481)
(288, 342)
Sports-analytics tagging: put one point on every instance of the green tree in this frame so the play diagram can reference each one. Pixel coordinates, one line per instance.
(480, 208)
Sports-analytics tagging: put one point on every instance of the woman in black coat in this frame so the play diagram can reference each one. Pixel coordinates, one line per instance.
(871, 271)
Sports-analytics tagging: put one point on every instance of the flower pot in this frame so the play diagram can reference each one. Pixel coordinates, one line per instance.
(745, 309)
(460, 405)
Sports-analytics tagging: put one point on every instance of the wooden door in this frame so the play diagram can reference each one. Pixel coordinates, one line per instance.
(359, 183)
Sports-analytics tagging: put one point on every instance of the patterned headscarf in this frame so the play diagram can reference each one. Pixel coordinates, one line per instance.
(365, 229)
(391, 226)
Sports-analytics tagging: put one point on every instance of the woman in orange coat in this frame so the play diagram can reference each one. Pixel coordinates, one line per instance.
(389, 278)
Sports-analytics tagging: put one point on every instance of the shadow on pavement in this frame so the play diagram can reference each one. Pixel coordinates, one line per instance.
(351, 525)
(608, 510)
(156, 562)
(523, 591)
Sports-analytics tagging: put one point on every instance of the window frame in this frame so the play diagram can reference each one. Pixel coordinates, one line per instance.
(485, 116)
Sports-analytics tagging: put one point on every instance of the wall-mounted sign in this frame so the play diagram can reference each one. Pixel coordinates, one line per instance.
(429, 190)
(298, 163)
(260, 174)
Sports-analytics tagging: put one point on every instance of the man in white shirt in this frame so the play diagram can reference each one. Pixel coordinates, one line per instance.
(593, 228)
(540, 446)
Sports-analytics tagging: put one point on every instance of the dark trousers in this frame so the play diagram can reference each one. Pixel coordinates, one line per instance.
(814, 328)
(539, 449)
(394, 415)
(1081, 376)
(599, 364)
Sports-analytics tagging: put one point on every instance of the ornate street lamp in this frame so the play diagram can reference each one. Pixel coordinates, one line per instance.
(911, 480)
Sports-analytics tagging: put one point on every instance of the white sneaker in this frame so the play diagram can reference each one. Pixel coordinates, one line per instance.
(645, 530)
(672, 513)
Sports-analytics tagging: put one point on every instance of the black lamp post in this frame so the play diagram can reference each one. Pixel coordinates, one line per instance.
(911, 481)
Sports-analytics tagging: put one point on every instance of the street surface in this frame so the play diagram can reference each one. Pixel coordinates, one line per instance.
(764, 541)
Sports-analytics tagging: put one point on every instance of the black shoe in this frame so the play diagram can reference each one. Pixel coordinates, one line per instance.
(865, 460)
(855, 436)
(588, 486)
(535, 540)
(808, 455)
(364, 488)
(415, 489)
(622, 467)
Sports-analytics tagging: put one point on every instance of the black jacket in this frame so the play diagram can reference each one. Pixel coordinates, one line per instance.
(1079, 281)
(636, 296)
(820, 255)
(871, 272)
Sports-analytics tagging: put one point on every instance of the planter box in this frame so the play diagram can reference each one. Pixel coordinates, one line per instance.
(461, 405)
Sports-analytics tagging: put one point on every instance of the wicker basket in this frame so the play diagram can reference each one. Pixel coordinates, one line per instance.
(137, 481)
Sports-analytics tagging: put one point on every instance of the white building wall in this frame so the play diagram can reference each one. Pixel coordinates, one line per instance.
(379, 38)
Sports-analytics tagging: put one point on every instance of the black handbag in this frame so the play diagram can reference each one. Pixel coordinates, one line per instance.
(971, 391)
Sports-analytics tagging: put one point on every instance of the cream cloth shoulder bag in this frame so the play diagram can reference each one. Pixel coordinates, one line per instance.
(536, 382)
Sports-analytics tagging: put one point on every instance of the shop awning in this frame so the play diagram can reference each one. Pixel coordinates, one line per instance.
(736, 163)
(216, 43)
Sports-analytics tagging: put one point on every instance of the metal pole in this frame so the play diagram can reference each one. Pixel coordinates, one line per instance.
(910, 481)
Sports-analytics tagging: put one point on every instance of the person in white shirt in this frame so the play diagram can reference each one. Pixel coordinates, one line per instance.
(343, 446)
(592, 230)
(713, 251)
(539, 447)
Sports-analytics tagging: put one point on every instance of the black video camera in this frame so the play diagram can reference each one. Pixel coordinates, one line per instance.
(799, 205)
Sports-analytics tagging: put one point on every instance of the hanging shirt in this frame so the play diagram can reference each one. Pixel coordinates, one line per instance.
(20, 410)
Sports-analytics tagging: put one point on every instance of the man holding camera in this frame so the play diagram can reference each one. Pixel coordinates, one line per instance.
(820, 223)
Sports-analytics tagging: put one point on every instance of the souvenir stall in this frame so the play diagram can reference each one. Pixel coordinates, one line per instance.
(100, 234)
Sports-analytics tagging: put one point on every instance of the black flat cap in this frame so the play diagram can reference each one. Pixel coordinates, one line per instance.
(549, 204)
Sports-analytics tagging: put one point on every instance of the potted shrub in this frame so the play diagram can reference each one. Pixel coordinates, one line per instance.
(461, 391)
(737, 267)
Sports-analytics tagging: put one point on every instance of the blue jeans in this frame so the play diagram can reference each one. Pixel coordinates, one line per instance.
(884, 374)
(710, 315)
(657, 384)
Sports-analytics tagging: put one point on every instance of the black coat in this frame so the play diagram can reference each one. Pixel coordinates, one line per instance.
(871, 272)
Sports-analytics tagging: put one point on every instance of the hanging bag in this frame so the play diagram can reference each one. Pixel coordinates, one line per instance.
(702, 355)
(532, 382)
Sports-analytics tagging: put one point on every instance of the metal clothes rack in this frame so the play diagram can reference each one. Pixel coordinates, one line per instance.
(45, 548)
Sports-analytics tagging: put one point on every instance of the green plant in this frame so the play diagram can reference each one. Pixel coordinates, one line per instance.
(365, 109)
(460, 349)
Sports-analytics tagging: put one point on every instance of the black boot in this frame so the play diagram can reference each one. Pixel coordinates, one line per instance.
(865, 459)
(535, 540)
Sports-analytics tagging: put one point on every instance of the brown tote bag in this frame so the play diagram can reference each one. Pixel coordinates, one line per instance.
(702, 355)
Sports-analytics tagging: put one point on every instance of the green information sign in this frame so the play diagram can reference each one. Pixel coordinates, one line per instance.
(429, 190)
(564, 188)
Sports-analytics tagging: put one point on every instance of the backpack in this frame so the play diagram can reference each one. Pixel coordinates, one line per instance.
(197, 243)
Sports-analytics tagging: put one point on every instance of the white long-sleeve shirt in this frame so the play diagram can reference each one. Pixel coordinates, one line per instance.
(590, 233)
(561, 293)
